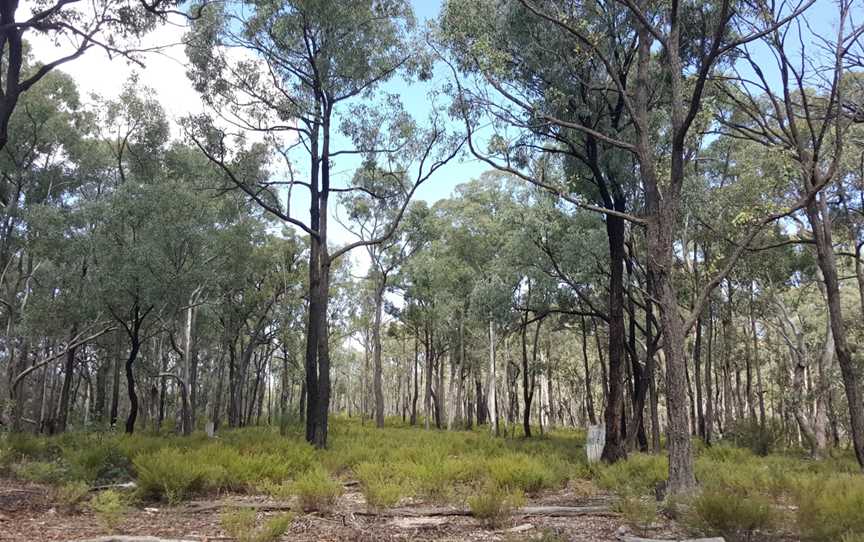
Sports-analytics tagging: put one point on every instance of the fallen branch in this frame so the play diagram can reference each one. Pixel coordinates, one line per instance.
(205, 506)
(628, 538)
(123, 486)
(76, 341)
(414, 512)
(118, 538)
(566, 511)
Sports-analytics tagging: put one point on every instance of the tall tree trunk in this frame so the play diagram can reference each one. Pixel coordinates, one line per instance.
(527, 385)
(101, 391)
(427, 398)
(378, 377)
(130, 384)
(651, 373)
(186, 411)
(416, 380)
(589, 395)
(820, 222)
(709, 394)
(615, 447)
(68, 374)
(115, 387)
(490, 394)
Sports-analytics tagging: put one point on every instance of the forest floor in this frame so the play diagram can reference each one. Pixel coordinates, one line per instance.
(405, 483)
(28, 512)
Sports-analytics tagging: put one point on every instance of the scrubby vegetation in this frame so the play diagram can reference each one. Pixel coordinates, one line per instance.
(742, 495)
(243, 525)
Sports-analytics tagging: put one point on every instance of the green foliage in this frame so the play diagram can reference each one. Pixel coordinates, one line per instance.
(523, 472)
(46, 472)
(829, 509)
(639, 512)
(380, 485)
(639, 474)
(316, 490)
(99, 461)
(750, 434)
(70, 495)
(172, 474)
(281, 491)
(494, 505)
(730, 514)
(110, 508)
(242, 524)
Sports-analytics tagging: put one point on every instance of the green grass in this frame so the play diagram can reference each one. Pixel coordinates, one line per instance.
(743, 494)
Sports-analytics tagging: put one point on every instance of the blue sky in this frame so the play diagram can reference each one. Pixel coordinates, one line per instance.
(415, 97)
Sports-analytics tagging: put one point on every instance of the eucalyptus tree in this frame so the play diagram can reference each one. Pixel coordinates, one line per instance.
(110, 25)
(678, 49)
(371, 213)
(805, 115)
(284, 69)
(523, 80)
(41, 167)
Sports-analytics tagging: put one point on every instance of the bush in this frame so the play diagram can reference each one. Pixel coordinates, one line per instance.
(45, 472)
(70, 495)
(278, 490)
(829, 509)
(171, 474)
(494, 505)
(98, 462)
(110, 508)
(759, 439)
(639, 474)
(242, 525)
(730, 514)
(523, 472)
(381, 487)
(315, 490)
(638, 512)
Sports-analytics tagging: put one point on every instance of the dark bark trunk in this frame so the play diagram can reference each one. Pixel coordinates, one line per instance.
(115, 388)
(615, 448)
(68, 375)
(589, 395)
(130, 384)
(820, 222)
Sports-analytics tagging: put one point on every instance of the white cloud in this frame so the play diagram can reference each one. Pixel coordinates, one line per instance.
(96, 73)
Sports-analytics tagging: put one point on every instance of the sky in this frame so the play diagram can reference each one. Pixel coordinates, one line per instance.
(165, 72)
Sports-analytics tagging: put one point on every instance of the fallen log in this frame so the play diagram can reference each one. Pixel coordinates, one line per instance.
(412, 512)
(119, 538)
(124, 486)
(628, 538)
(565, 511)
(205, 506)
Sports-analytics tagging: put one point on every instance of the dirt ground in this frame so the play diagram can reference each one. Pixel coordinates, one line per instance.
(27, 513)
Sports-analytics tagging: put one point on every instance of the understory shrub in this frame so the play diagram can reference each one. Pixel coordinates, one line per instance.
(381, 486)
(171, 474)
(639, 512)
(758, 438)
(494, 505)
(110, 507)
(639, 474)
(523, 472)
(45, 472)
(242, 524)
(316, 490)
(735, 516)
(70, 495)
(100, 461)
(830, 508)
